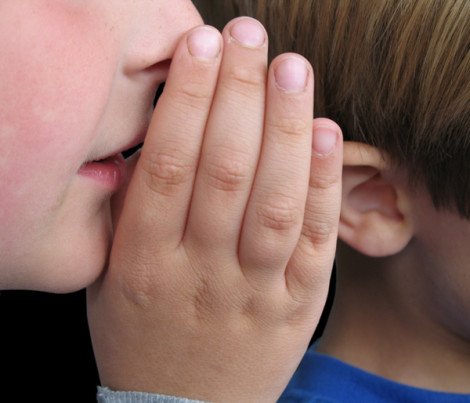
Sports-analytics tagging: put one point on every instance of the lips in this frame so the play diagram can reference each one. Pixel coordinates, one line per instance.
(109, 172)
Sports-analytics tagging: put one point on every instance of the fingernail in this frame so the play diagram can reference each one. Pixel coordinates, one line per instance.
(291, 75)
(204, 43)
(249, 33)
(324, 140)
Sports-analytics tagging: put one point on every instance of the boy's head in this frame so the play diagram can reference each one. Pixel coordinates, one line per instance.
(77, 83)
(395, 75)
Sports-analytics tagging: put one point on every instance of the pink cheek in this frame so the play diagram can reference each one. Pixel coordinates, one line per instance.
(58, 70)
(55, 86)
(56, 77)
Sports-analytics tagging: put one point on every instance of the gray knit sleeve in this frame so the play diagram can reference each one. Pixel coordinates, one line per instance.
(105, 395)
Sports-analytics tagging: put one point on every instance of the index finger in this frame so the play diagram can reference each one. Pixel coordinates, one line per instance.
(160, 192)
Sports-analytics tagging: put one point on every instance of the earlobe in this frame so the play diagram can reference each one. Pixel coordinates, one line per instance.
(375, 217)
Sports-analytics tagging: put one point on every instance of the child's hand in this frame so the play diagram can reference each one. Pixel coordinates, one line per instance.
(221, 261)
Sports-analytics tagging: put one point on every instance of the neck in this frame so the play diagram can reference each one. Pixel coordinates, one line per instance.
(380, 323)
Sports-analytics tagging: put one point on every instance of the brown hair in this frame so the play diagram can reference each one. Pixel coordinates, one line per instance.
(394, 74)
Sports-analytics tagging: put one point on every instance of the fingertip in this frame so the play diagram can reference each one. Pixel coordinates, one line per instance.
(247, 32)
(204, 42)
(325, 122)
(291, 74)
(327, 136)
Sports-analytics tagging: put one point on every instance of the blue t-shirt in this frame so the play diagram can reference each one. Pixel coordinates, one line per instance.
(323, 379)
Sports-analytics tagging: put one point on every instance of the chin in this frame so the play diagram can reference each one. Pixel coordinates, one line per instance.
(71, 276)
(69, 270)
(67, 274)
(67, 247)
(58, 278)
(73, 265)
(78, 262)
(74, 282)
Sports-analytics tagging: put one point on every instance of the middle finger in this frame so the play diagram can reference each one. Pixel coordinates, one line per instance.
(233, 137)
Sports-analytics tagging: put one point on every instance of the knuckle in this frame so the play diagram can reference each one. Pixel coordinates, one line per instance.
(193, 95)
(203, 299)
(261, 308)
(319, 231)
(165, 171)
(209, 299)
(227, 173)
(324, 182)
(140, 289)
(280, 213)
(289, 126)
(243, 80)
(193, 91)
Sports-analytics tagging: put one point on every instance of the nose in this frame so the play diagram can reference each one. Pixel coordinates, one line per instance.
(157, 27)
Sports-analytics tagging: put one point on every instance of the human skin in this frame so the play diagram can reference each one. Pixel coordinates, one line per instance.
(223, 235)
(77, 84)
(221, 261)
(401, 304)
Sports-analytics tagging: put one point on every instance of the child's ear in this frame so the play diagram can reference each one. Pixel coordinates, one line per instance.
(375, 214)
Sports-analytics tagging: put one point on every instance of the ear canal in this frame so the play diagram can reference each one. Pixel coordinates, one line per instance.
(373, 220)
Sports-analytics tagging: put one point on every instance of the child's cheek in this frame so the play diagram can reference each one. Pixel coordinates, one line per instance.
(55, 79)
(59, 67)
